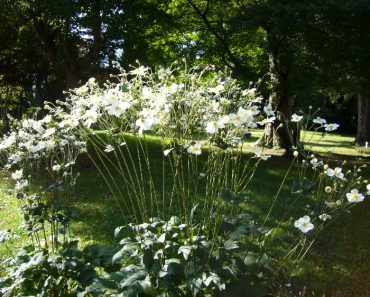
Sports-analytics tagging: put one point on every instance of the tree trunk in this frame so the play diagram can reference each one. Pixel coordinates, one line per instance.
(282, 102)
(363, 121)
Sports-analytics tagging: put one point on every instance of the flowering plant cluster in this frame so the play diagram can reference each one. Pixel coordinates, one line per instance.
(200, 119)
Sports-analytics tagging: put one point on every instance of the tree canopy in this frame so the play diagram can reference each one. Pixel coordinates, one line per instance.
(306, 52)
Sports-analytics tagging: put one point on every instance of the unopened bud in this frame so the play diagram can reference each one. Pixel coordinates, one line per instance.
(295, 154)
(328, 189)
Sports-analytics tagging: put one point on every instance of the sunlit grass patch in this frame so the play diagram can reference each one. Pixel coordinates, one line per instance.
(10, 217)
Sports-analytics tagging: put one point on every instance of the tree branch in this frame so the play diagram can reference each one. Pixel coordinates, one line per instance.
(240, 69)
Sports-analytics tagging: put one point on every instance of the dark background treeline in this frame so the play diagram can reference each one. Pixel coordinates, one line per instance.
(312, 52)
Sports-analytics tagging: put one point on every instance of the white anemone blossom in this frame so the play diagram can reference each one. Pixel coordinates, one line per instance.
(195, 149)
(241, 117)
(268, 110)
(91, 117)
(337, 172)
(304, 224)
(213, 126)
(319, 121)
(331, 127)
(145, 124)
(355, 196)
(140, 71)
(20, 185)
(266, 121)
(109, 148)
(17, 174)
(56, 167)
(117, 108)
(216, 90)
(296, 118)
(260, 154)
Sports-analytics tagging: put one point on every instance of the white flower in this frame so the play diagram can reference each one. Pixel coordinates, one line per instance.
(255, 109)
(268, 110)
(48, 132)
(315, 162)
(241, 117)
(16, 158)
(304, 224)
(56, 167)
(147, 92)
(296, 118)
(195, 149)
(20, 185)
(91, 117)
(47, 119)
(117, 108)
(213, 126)
(216, 90)
(166, 152)
(109, 148)
(139, 71)
(224, 120)
(331, 127)
(17, 174)
(337, 172)
(251, 93)
(355, 196)
(319, 121)
(37, 126)
(145, 124)
(81, 90)
(368, 189)
(267, 121)
(324, 217)
(260, 154)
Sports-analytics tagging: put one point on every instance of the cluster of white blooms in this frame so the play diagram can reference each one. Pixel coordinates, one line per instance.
(167, 104)
(31, 140)
(336, 172)
(323, 123)
(141, 101)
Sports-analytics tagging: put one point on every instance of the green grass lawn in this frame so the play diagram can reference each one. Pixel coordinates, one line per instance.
(337, 261)
(330, 144)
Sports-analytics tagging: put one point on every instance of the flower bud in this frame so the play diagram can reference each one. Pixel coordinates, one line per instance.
(326, 167)
(295, 154)
(328, 189)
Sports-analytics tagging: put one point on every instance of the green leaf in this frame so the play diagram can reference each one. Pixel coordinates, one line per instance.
(148, 258)
(243, 288)
(277, 233)
(226, 195)
(251, 258)
(185, 250)
(230, 245)
(118, 256)
(117, 231)
(37, 259)
(139, 275)
(174, 266)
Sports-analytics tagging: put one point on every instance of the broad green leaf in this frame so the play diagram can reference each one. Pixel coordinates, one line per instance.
(231, 245)
(139, 275)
